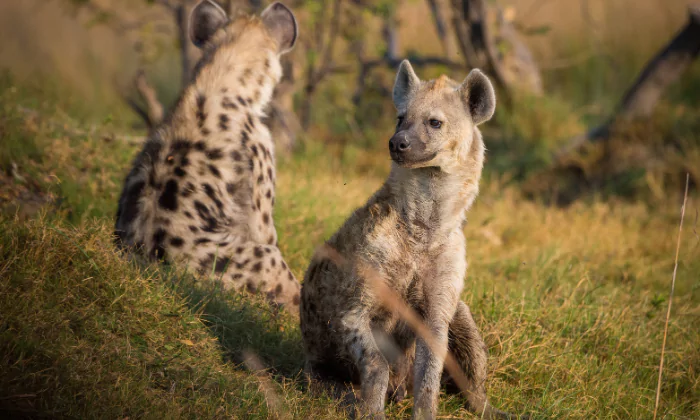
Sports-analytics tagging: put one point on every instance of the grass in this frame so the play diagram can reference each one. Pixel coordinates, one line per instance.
(570, 301)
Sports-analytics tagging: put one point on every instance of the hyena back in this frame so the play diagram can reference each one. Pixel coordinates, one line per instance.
(201, 192)
(409, 236)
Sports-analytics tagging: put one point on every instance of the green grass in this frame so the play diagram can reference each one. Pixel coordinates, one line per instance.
(571, 301)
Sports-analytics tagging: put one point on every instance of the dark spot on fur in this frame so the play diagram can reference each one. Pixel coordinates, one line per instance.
(273, 262)
(236, 276)
(168, 199)
(256, 267)
(193, 229)
(205, 131)
(260, 179)
(188, 214)
(258, 252)
(200, 146)
(296, 299)
(227, 103)
(290, 276)
(266, 218)
(223, 122)
(215, 154)
(180, 172)
(209, 223)
(241, 100)
(236, 156)
(268, 194)
(239, 250)
(200, 241)
(230, 188)
(201, 116)
(271, 240)
(214, 171)
(254, 148)
(250, 121)
(244, 138)
(176, 242)
(221, 264)
(278, 289)
(269, 174)
(239, 170)
(257, 203)
(250, 286)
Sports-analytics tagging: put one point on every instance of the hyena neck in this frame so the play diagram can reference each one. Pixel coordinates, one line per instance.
(430, 197)
(233, 80)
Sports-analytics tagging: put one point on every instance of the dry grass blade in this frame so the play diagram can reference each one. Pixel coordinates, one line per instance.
(273, 400)
(670, 298)
(394, 302)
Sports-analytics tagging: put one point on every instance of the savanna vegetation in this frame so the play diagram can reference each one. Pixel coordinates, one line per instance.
(571, 257)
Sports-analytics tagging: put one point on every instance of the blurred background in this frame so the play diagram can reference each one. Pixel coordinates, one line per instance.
(572, 241)
(562, 68)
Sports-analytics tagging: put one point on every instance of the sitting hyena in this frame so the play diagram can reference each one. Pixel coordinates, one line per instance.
(409, 235)
(201, 192)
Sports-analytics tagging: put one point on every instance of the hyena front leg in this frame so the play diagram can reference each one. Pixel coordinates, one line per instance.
(373, 368)
(256, 268)
(429, 364)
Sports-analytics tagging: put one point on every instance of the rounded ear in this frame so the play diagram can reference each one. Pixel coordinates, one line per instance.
(478, 95)
(281, 24)
(405, 86)
(206, 18)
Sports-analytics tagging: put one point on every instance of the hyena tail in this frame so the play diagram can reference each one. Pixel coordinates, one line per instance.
(469, 349)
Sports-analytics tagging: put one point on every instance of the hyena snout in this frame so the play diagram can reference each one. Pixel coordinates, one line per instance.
(408, 150)
(399, 143)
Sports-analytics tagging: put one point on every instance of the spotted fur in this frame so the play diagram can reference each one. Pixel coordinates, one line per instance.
(410, 235)
(201, 192)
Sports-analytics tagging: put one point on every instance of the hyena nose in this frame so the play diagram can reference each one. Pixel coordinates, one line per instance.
(399, 143)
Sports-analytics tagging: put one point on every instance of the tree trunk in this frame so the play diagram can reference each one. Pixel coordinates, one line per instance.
(660, 73)
(440, 26)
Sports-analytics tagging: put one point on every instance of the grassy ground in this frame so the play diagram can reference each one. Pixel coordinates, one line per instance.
(571, 302)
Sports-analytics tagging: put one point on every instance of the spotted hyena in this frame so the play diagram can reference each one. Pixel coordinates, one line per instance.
(201, 192)
(409, 237)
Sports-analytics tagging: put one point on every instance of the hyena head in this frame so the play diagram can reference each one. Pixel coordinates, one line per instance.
(211, 29)
(437, 119)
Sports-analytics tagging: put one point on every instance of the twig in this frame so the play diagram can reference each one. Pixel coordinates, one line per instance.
(274, 402)
(670, 298)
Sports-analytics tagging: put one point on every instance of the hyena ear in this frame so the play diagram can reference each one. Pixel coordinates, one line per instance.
(206, 18)
(478, 95)
(281, 24)
(405, 86)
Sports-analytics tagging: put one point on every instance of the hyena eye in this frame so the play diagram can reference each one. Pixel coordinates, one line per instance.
(399, 120)
(435, 123)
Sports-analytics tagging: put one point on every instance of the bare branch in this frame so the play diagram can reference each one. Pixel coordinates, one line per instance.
(154, 108)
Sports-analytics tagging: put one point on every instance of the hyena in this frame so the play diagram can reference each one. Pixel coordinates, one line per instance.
(409, 235)
(201, 192)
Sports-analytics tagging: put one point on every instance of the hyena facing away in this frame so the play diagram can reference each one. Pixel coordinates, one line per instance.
(201, 192)
(409, 235)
